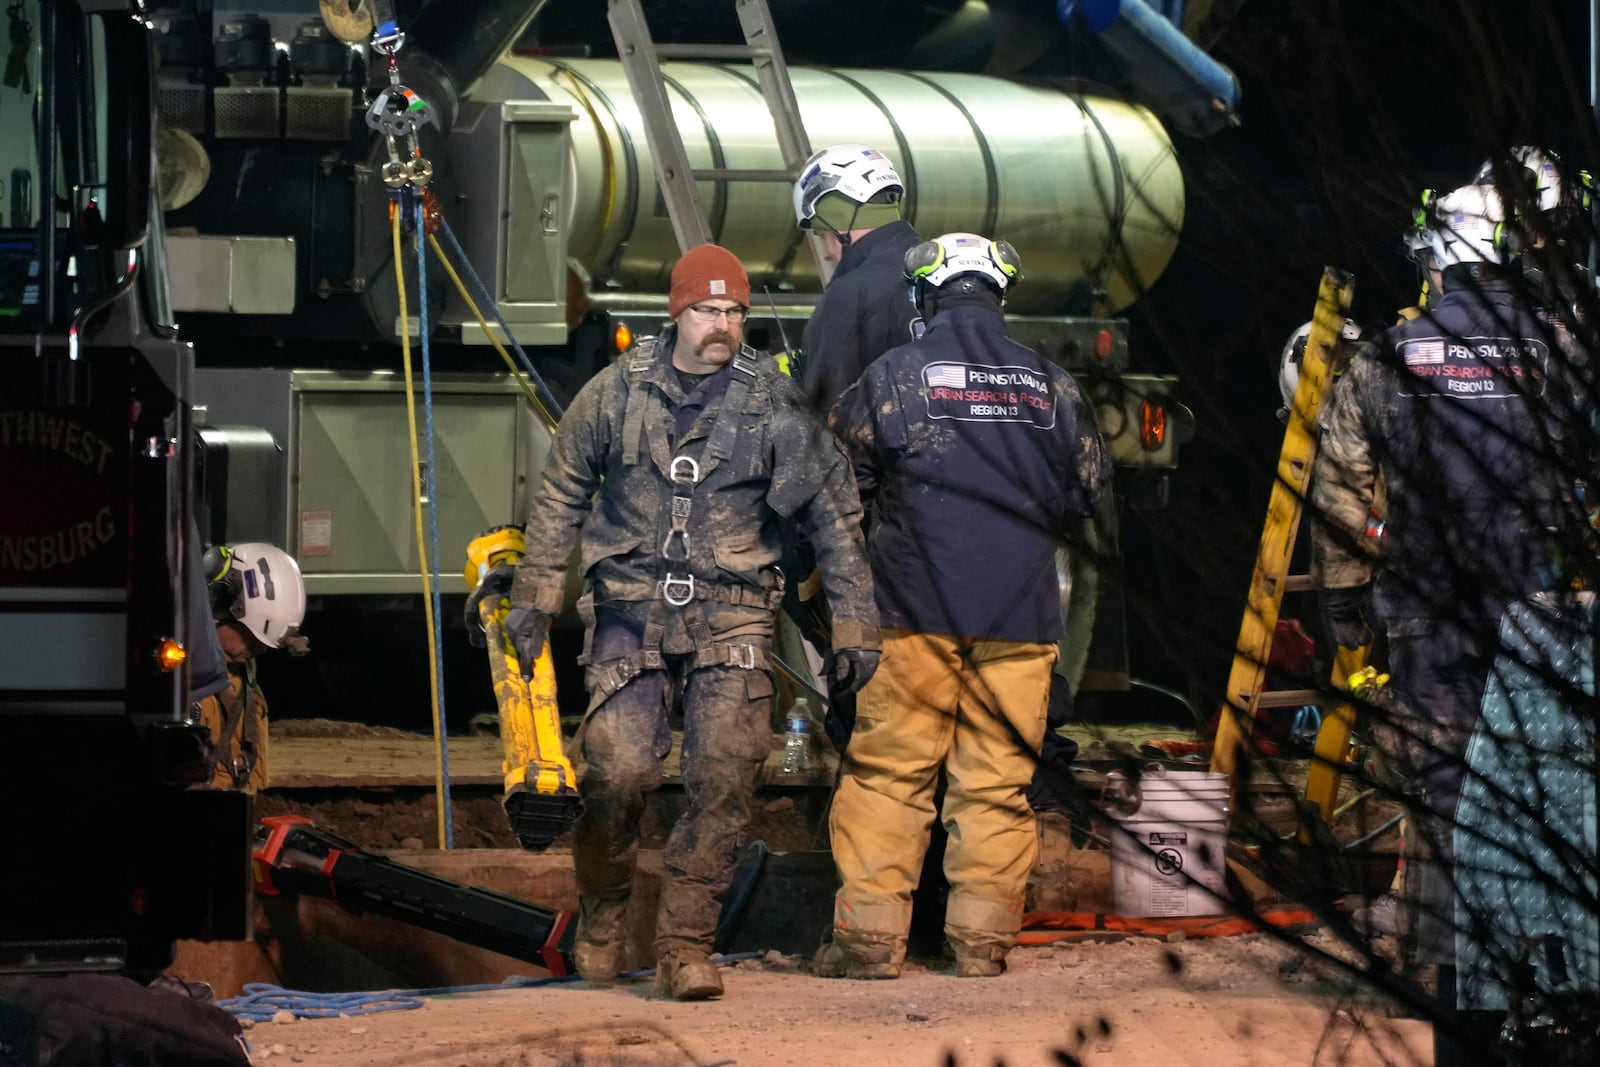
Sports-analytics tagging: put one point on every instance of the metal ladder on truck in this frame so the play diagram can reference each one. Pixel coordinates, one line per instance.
(641, 62)
(1270, 580)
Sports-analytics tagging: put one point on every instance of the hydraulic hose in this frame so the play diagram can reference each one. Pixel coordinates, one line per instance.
(424, 545)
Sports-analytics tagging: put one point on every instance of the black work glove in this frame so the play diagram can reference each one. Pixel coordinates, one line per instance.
(815, 624)
(496, 585)
(1347, 615)
(527, 628)
(851, 669)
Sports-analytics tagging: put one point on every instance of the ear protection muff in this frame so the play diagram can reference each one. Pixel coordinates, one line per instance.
(1510, 237)
(1005, 257)
(224, 584)
(215, 563)
(1425, 214)
(921, 260)
(932, 263)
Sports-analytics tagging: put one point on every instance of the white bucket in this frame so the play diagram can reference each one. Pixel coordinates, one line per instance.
(1169, 847)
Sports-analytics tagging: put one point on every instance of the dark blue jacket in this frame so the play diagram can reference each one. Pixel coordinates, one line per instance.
(866, 311)
(1468, 412)
(975, 457)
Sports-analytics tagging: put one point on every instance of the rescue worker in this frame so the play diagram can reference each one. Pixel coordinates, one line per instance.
(258, 601)
(1463, 414)
(679, 461)
(1546, 203)
(975, 457)
(852, 195)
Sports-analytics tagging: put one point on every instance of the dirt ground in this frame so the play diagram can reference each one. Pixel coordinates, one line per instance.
(1240, 1000)
(1139, 1002)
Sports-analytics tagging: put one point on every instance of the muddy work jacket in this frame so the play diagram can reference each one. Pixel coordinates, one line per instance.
(1467, 412)
(688, 526)
(976, 458)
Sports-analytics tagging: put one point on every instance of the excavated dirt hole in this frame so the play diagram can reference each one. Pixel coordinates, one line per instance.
(787, 819)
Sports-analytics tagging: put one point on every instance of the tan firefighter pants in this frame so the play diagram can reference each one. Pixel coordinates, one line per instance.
(976, 709)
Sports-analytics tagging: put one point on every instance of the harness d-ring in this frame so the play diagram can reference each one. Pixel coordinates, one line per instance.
(694, 469)
(669, 586)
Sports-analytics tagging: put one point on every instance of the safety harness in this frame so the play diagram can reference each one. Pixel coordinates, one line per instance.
(239, 718)
(677, 590)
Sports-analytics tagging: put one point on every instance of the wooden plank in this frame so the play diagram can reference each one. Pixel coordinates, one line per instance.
(379, 762)
(377, 758)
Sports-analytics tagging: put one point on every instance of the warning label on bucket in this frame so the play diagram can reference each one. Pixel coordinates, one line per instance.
(1169, 891)
(1169, 838)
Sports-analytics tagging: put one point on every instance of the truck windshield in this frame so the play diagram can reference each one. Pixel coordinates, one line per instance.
(67, 100)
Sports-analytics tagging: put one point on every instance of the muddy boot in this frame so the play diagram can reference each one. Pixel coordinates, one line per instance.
(833, 960)
(978, 953)
(687, 974)
(597, 946)
(979, 966)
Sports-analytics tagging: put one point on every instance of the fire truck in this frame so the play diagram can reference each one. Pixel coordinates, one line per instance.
(111, 855)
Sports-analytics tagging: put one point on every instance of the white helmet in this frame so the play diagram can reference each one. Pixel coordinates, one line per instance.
(1294, 354)
(855, 171)
(933, 263)
(1540, 189)
(1467, 226)
(259, 585)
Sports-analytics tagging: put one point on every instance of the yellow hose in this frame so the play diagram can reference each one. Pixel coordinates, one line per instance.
(440, 786)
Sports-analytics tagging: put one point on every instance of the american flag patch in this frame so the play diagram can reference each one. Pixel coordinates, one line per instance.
(949, 375)
(1424, 352)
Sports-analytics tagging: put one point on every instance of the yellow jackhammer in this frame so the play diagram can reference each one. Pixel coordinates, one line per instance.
(541, 787)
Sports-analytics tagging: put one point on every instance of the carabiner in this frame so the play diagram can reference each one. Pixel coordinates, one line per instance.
(666, 547)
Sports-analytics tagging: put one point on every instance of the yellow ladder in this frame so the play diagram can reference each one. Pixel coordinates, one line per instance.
(1271, 580)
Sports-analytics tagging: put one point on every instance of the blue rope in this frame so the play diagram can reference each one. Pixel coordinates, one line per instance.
(262, 1000)
(488, 303)
(430, 489)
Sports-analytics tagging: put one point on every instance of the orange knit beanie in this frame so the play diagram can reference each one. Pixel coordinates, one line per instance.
(704, 272)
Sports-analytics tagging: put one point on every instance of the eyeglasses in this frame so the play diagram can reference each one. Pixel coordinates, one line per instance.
(735, 314)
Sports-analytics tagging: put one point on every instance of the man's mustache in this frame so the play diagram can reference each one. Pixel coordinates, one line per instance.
(717, 337)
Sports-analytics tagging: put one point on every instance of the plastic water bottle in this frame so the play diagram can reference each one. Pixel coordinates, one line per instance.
(797, 743)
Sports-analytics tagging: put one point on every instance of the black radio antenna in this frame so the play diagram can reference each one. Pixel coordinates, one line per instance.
(783, 336)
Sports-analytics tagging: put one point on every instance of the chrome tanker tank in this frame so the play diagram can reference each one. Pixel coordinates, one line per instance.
(1087, 188)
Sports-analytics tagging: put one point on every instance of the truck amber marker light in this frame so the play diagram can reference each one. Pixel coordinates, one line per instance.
(170, 654)
(622, 337)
